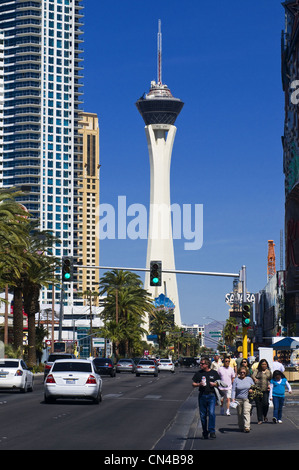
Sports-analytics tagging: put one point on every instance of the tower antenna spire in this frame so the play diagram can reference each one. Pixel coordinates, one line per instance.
(159, 54)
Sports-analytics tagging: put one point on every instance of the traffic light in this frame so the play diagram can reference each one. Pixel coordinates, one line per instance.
(246, 314)
(67, 269)
(155, 273)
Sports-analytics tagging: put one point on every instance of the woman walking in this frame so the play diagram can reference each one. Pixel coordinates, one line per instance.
(262, 376)
(241, 387)
(278, 385)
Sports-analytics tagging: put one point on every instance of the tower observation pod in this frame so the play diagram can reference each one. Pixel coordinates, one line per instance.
(159, 110)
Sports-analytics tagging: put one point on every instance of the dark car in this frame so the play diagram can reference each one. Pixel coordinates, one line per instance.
(104, 366)
(53, 357)
(187, 361)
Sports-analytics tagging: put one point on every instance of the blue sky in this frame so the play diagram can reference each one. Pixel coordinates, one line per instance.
(223, 60)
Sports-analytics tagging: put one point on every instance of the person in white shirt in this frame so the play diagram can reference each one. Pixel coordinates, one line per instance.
(227, 375)
(217, 362)
(277, 365)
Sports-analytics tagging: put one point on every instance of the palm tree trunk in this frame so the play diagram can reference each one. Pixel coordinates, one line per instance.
(31, 306)
(18, 319)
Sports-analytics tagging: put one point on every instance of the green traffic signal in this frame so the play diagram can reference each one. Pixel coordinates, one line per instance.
(155, 273)
(246, 315)
(67, 269)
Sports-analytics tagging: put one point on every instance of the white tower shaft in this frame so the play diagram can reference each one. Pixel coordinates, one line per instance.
(160, 139)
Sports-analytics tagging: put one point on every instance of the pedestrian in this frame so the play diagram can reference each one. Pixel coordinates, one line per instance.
(239, 360)
(278, 384)
(227, 375)
(232, 363)
(262, 376)
(240, 389)
(245, 363)
(206, 381)
(217, 362)
(277, 365)
(255, 364)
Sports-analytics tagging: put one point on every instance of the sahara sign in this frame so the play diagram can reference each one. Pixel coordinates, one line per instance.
(236, 298)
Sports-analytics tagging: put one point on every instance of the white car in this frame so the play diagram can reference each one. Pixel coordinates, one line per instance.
(73, 378)
(15, 375)
(166, 364)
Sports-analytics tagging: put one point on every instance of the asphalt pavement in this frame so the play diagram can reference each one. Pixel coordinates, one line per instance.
(185, 432)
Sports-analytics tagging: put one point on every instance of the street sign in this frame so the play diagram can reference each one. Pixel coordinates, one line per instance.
(232, 298)
(98, 342)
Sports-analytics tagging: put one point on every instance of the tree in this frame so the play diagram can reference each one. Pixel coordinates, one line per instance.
(39, 273)
(161, 321)
(230, 331)
(125, 305)
(14, 243)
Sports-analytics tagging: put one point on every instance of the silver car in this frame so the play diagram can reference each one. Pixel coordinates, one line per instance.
(126, 365)
(146, 366)
(73, 378)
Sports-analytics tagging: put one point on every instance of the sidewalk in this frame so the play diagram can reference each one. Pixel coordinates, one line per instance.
(185, 432)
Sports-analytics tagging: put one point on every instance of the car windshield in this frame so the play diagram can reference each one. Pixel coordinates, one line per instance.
(124, 360)
(147, 363)
(54, 357)
(75, 366)
(167, 361)
(9, 364)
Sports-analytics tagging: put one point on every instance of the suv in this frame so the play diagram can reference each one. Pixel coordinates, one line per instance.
(104, 366)
(53, 357)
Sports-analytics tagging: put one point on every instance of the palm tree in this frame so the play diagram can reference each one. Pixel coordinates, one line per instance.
(39, 273)
(161, 321)
(126, 304)
(13, 244)
(230, 331)
(13, 239)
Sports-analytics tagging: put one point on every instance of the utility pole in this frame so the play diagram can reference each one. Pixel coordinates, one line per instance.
(245, 336)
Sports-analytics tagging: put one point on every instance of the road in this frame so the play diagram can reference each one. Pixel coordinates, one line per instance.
(134, 414)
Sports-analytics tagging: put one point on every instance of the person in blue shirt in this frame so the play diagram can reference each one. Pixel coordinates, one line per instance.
(278, 385)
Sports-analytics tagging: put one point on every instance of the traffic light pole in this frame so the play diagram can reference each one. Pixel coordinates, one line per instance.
(175, 271)
(245, 336)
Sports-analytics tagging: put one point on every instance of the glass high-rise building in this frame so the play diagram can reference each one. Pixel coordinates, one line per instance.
(40, 93)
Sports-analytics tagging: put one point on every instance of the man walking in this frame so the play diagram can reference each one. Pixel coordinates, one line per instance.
(206, 381)
(227, 376)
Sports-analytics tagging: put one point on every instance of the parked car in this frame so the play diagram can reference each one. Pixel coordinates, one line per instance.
(53, 357)
(146, 366)
(104, 366)
(73, 378)
(126, 365)
(188, 361)
(166, 364)
(15, 375)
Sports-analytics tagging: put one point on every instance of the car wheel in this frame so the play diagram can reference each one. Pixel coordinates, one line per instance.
(49, 399)
(137, 375)
(98, 399)
(32, 384)
(24, 389)
(155, 375)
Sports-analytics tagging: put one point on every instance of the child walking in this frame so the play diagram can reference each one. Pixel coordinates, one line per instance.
(278, 384)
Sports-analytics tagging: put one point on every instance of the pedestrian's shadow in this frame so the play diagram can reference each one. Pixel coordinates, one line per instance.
(229, 430)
